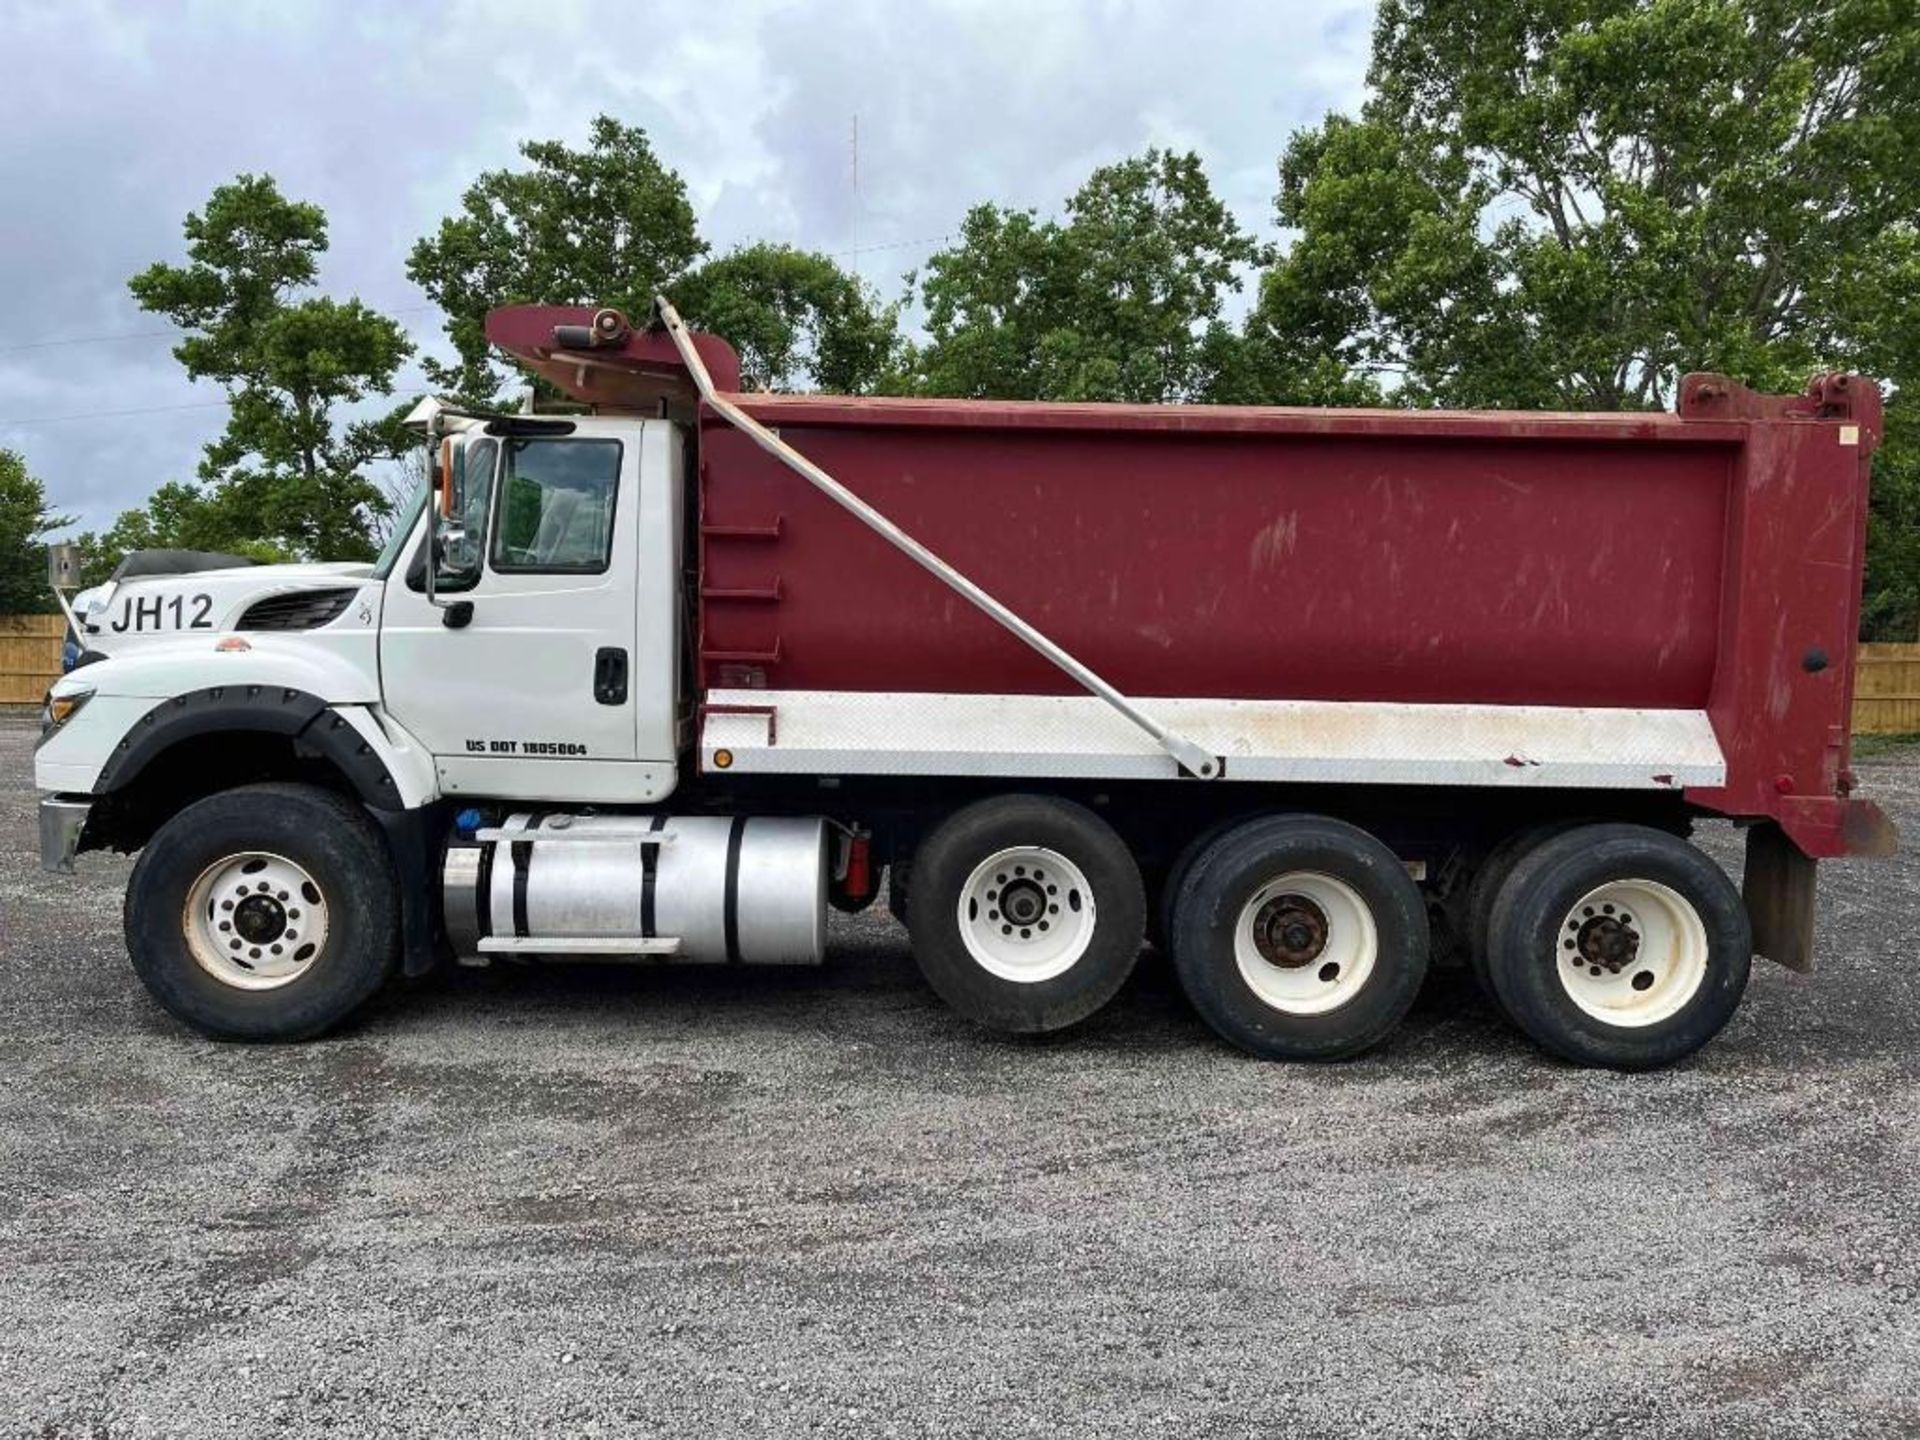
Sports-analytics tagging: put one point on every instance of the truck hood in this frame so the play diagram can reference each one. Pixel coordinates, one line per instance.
(125, 614)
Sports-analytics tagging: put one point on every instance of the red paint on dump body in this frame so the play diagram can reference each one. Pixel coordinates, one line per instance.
(1697, 560)
(1249, 564)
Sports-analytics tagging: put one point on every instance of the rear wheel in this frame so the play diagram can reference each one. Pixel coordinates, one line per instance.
(897, 892)
(1027, 912)
(1619, 946)
(264, 913)
(1487, 881)
(1300, 938)
(1161, 921)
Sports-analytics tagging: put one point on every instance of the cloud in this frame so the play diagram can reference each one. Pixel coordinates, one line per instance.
(382, 114)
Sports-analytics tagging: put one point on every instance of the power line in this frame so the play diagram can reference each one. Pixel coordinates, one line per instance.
(90, 340)
(114, 414)
(160, 410)
(173, 334)
(891, 245)
(132, 335)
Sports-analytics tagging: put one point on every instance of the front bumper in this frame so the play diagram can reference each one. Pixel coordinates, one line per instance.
(61, 821)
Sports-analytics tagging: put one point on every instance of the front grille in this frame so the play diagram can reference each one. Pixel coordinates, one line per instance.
(308, 610)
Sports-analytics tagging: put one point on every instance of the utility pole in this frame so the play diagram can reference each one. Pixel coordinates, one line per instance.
(854, 228)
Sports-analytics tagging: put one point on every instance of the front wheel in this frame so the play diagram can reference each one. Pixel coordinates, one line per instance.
(1619, 946)
(1300, 938)
(268, 912)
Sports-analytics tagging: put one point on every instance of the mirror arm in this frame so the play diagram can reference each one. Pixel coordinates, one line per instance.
(432, 510)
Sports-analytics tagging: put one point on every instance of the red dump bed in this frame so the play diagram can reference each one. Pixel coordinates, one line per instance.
(1709, 560)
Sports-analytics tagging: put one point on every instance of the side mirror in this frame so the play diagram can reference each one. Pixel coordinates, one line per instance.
(63, 566)
(455, 548)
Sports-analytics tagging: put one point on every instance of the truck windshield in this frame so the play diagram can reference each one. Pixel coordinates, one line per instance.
(403, 524)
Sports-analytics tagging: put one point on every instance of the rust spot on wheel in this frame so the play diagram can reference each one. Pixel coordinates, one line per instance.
(1290, 931)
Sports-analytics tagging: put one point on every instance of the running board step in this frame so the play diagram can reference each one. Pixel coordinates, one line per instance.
(579, 945)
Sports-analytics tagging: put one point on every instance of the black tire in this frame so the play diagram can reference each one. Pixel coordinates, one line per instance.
(1487, 881)
(1115, 908)
(897, 892)
(1229, 876)
(1161, 921)
(328, 837)
(1527, 951)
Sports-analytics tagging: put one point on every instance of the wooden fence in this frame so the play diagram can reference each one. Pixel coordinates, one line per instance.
(1886, 691)
(1886, 694)
(29, 656)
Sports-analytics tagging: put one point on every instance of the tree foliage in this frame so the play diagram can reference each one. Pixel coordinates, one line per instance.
(1571, 203)
(287, 476)
(607, 225)
(25, 523)
(1122, 300)
(793, 315)
(178, 516)
(612, 225)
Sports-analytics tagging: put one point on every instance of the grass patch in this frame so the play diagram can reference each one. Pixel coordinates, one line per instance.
(1869, 747)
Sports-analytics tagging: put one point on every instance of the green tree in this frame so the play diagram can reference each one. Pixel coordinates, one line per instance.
(177, 516)
(602, 226)
(794, 316)
(287, 474)
(612, 225)
(25, 522)
(1120, 301)
(1571, 203)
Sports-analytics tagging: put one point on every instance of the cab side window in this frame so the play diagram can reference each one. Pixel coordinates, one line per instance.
(555, 507)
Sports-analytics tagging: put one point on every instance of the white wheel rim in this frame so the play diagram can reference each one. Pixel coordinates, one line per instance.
(255, 921)
(1631, 953)
(1306, 943)
(1026, 914)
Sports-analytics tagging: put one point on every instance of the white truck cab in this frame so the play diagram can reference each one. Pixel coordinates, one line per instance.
(560, 568)
(562, 572)
(516, 648)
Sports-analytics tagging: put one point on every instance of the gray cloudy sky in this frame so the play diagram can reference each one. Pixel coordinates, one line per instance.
(121, 117)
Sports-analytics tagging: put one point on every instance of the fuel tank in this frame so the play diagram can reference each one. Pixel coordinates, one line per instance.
(706, 889)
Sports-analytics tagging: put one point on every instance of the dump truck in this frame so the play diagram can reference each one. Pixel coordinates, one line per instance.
(658, 670)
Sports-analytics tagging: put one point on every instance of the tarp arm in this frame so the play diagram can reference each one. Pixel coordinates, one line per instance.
(1194, 759)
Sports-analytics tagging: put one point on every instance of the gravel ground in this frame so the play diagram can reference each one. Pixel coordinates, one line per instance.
(603, 1202)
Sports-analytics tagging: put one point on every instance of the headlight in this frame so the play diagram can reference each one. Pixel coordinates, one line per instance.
(61, 708)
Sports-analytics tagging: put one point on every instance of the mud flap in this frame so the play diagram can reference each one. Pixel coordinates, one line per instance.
(1779, 891)
(413, 840)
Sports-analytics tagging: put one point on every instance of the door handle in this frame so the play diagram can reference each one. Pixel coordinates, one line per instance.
(610, 675)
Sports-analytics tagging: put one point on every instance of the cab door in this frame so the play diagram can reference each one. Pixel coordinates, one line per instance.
(529, 693)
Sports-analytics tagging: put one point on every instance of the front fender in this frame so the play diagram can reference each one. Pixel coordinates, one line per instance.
(143, 705)
(309, 722)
